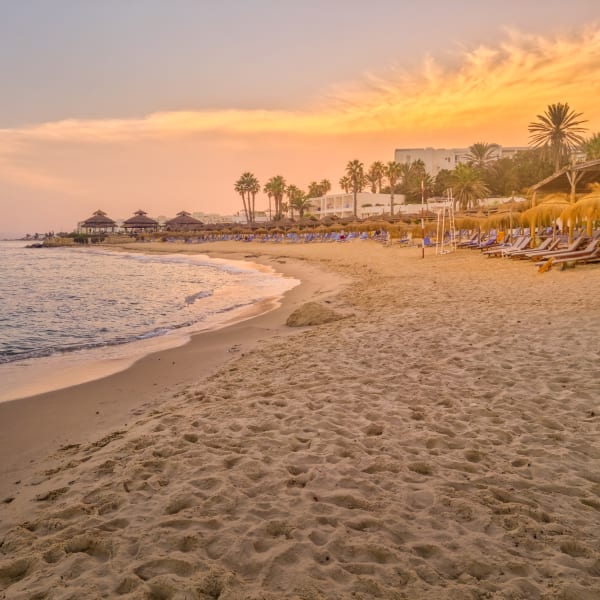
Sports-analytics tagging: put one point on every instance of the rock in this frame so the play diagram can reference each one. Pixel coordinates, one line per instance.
(312, 313)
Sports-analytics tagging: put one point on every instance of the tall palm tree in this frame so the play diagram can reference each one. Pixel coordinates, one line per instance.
(253, 189)
(294, 194)
(558, 131)
(468, 185)
(392, 172)
(242, 187)
(269, 193)
(481, 154)
(591, 147)
(276, 187)
(355, 171)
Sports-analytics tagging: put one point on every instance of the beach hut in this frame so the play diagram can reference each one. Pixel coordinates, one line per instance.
(99, 222)
(140, 223)
(183, 222)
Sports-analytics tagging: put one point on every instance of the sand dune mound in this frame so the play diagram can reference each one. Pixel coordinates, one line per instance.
(312, 313)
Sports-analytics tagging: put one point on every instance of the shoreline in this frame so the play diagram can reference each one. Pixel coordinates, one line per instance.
(438, 441)
(63, 370)
(33, 425)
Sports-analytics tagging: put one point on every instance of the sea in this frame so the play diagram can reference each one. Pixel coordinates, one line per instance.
(71, 314)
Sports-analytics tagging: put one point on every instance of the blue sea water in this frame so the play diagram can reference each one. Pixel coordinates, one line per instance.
(68, 300)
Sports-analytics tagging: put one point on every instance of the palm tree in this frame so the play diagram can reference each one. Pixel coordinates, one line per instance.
(294, 194)
(318, 189)
(299, 200)
(392, 172)
(355, 171)
(248, 186)
(558, 131)
(468, 185)
(345, 183)
(414, 176)
(242, 187)
(276, 187)
(325, 186)
(481, 154)
(591, 147)
(314, 190)
(375, 176)
(269, 193)
(253, 189)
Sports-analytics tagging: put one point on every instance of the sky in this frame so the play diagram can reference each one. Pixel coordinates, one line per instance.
(162, 104)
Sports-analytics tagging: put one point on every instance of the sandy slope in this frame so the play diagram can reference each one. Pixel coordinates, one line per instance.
(441, 441)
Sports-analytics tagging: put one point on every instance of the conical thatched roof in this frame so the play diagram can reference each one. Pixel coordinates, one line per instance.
(183, 219)
(140, 219)
(99, 219)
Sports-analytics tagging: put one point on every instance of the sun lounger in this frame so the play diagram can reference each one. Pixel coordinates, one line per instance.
(583, 256)
(576, 246)
(472, 241)
(589, 252)
(524, 243)
(548, 245)
(486, 244)
(497, 250)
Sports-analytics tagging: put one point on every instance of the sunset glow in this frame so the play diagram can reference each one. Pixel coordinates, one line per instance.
(169, 160)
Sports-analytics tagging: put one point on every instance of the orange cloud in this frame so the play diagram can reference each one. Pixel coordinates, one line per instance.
(488, 93)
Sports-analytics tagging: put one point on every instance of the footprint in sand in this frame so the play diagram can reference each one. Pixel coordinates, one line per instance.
(164, 566)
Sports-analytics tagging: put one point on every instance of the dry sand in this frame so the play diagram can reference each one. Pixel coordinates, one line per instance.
(440, 441)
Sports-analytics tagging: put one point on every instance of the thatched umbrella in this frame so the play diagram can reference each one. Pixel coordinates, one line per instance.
(546, 212)
(284, 223)
(505, 215)
(328, 220)
(587, 207)
(307, 222)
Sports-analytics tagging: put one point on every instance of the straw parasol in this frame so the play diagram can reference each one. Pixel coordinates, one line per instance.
(506, 215)
(587, 208)
(284, 223)
(474, 221)
(546, 212)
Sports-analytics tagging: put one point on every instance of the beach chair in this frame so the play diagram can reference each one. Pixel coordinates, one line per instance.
(524, 243)
(497, 250)
(590, 253)
(472, 241)
(574, 247)
(548, 245)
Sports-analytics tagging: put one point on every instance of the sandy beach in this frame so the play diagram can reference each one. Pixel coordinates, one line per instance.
(439, 439)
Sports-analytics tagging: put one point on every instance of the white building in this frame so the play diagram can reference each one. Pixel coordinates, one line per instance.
(436, 159)
(367, 205)
(240, 217)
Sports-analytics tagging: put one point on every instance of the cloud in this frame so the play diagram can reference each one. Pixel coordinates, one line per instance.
(488, 93)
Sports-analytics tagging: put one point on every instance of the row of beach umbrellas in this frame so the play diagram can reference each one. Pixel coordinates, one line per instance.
(546, 212)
